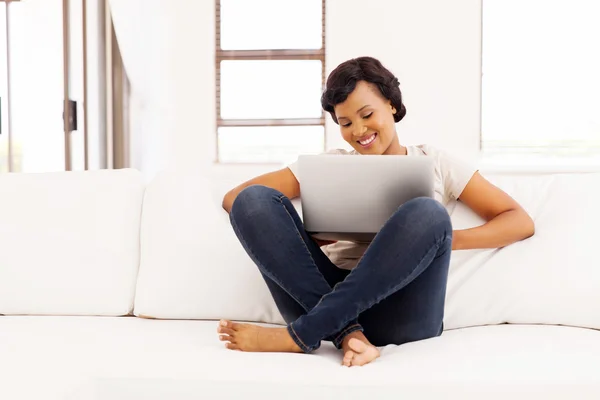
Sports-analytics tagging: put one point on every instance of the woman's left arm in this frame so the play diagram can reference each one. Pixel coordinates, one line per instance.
(507, 222)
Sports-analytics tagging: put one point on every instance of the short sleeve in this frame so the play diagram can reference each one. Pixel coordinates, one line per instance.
(294, 168)
(455, 172)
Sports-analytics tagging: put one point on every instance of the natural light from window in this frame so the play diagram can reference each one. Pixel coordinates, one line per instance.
(266, 89)
(270, 24)
(270, 80)
(541, 80)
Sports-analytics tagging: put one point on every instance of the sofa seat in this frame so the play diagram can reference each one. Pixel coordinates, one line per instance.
(46, 357)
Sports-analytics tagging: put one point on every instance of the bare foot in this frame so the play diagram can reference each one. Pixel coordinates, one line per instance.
(358, 350)
(247, 337)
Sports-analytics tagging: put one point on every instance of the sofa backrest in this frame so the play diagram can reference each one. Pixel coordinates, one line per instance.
(69, 242)
(192, 265)
(550, 278)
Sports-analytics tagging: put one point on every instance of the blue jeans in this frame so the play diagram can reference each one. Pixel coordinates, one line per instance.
(394, 295)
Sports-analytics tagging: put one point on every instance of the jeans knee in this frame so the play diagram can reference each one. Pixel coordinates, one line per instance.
(424, 214)
(253, 200)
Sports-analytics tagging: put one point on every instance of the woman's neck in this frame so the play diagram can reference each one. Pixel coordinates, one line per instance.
(396, 148)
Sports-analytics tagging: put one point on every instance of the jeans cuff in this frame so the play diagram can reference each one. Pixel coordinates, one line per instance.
(339, 338)
(299, 342)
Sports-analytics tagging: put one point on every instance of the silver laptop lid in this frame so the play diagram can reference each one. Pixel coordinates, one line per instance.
(351, 197)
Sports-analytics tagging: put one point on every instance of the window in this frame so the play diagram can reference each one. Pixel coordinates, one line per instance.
(4, 150)
(270, 74)
(540, 87)
(36, 38)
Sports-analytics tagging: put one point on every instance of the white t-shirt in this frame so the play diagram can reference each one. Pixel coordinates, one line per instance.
(451, 177)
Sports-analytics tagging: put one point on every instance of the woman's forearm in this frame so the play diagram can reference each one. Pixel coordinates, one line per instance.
(506, 228)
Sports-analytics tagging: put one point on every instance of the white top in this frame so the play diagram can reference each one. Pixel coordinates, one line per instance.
(451, 177)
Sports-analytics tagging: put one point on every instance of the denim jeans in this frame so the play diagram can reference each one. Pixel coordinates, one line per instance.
(395, 294)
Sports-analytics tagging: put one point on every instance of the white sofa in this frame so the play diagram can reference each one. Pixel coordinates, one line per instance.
(84, 255)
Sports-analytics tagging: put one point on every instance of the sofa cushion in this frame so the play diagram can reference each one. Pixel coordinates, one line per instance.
(192, 264)
(550, 278)
(130, 358)
(69, 242)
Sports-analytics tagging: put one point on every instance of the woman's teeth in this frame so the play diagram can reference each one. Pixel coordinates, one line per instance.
(367, 140)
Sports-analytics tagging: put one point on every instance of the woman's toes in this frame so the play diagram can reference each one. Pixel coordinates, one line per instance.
(364, 353)
(225, 323)
(226, 338)
(347, 361)
(226, 331)
(232, 346)
(228, 324)
(233, 325)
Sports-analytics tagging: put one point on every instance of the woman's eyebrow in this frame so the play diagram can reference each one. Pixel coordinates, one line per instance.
(359, 110)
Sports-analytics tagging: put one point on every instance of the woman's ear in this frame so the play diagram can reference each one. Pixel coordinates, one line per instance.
(392, 107)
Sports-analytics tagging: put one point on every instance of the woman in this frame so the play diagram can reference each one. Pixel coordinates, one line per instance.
(359, 296)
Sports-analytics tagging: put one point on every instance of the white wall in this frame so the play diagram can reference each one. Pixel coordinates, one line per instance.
(146, 31)
(433, 46)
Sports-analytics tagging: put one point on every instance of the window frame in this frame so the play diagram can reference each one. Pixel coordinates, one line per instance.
(268, 54)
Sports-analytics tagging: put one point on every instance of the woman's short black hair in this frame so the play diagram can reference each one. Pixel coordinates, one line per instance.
(342, 81)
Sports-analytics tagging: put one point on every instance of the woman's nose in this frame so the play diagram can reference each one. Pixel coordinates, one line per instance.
(360, 130)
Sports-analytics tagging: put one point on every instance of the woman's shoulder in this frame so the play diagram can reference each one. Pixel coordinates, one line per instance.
(454, 172)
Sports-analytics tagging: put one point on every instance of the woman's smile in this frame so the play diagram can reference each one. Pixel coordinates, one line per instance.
(367, 141)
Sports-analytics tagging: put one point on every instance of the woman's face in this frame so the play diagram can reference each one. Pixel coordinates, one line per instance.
(366, 121)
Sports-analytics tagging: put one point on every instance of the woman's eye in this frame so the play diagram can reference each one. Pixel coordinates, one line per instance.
(368, 115)
(346, 125)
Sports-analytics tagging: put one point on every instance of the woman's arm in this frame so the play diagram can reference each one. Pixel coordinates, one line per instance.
(507, 222)
(283, 180)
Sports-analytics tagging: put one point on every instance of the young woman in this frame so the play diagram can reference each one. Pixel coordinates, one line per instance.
(357, 295)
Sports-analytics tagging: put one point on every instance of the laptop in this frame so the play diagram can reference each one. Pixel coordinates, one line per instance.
(351, 197)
